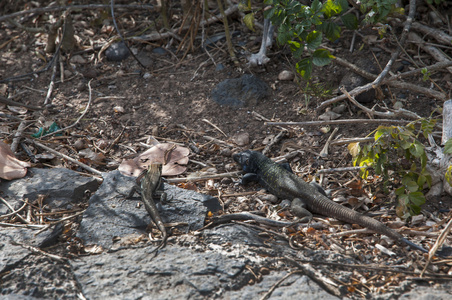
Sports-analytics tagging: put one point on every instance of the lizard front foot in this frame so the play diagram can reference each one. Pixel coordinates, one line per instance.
(298, 208)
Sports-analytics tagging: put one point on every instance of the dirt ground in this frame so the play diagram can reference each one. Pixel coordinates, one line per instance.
(170, 98)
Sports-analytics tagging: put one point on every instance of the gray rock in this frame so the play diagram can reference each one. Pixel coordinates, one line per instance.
(62, 188)
(117, 52)
(110, 215)
(247, 90)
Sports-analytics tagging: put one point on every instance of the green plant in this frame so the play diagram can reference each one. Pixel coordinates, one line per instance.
(303, 27)
(399, 156)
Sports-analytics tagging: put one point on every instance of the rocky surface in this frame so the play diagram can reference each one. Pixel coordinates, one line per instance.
(229, 261)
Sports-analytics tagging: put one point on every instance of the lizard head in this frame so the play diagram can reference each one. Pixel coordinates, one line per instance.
(245, 161)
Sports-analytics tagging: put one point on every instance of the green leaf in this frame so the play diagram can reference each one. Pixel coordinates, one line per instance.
(285, 34)
(409, 184)
(404, 199)
(304, 67)
(313, 40)
(417, 149)
(248, 19)
(343, 4)
(350, 21)
(400, 191)
(448, 147)
(448, 175)
(331, 30)
(421, 180)
(322, 57)
(316, 5)
(417, 198)
(331, 8)
(382, 130)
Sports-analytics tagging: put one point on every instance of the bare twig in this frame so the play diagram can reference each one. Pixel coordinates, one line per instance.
(84, 166)
(437, 34)
(274, 140)
(336, 122)
(14, 103)
(324, 151)
(52, 79)
(214, 126)
(42, 10)
(205, 177)
(158, 36)
(31, 226)
(390, 81)
(18, 136)
(397, 113)
(14, 212)
(442, 237)
(112, 4)
(243, 216)
(273, 288)
(406, 30)
(12, 209)
(39, 251)
(79, 118)
(340, 170)
(353, 140)
(433, 51)
(212, 139)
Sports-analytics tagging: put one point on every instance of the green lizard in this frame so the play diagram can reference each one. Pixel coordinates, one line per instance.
(305, 197)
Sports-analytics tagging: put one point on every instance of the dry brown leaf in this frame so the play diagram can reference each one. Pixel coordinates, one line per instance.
(10, 166)
(96, 158)
(176, 158)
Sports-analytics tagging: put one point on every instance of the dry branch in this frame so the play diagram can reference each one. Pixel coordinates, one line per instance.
(399, 113)
(336, 122)
(158, 36)
(438, 35)
(388, 66)
(433, 51)
(42, 10)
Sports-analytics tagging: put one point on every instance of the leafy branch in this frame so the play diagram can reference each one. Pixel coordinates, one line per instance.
(399, 156)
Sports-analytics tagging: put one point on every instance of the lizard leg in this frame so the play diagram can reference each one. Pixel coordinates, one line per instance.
(249, 177)
(318, 187)
(298, 208)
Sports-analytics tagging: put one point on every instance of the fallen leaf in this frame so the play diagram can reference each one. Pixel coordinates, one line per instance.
(176, 157)
(10, 166)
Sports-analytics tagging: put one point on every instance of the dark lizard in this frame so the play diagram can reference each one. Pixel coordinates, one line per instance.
(148, 183)
(305, 197)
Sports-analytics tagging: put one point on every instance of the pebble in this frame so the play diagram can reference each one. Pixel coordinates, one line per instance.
(119, 109)
(78, 59)
(242, 139)
(269, 197)
(226, 152)
(329, 115)
(219, 67)
(286, 75)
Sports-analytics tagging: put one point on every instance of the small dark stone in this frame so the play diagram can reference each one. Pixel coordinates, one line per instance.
(117, 52)
(247, 90)
(219, 67)
(159, 51)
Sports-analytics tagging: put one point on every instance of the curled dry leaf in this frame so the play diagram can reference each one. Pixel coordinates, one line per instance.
(173, 157)
(10, 166)
(96, 158)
